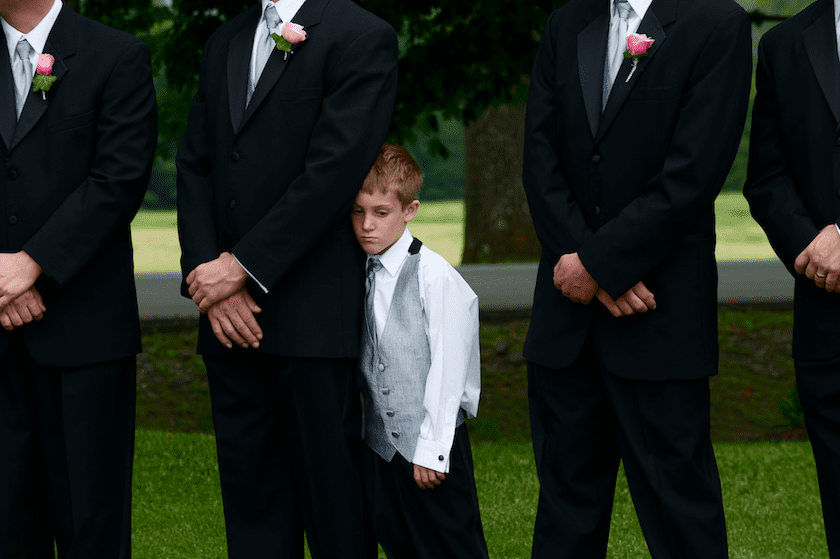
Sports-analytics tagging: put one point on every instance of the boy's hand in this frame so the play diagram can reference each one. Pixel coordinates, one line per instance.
(426, 478)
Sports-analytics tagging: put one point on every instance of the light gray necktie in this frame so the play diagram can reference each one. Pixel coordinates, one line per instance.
(373, 266)
(22, 69)
(265, 47)
(616, 45)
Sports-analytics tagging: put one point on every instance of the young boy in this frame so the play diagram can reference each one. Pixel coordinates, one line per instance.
(419, 376)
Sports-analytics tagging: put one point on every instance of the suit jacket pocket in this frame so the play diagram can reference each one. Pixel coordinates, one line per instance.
(300, 94)
(69, 123)
(655, 93)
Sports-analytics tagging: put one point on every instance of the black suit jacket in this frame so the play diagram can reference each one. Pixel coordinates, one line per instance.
(632, 189)
(274, 183)
(793, 179)
(76, 166)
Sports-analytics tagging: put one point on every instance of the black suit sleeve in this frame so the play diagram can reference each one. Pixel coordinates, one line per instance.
(557, 218)
(356, 113)
(703, 145)
(774, 201)
(106, 201)
(195, 201)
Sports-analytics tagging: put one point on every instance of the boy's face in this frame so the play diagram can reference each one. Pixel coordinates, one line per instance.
(379, 220)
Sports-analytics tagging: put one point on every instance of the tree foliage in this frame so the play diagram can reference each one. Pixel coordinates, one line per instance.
(456, 59)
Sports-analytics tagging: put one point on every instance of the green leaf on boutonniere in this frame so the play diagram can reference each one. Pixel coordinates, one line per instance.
(282, 44)
(628, 55)
(43, 82)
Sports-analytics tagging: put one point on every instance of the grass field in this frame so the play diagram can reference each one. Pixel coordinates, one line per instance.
(440, 225)
(770, 498)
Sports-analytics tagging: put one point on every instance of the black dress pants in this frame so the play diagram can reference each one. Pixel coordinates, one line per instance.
(67, 439)
(583, 421)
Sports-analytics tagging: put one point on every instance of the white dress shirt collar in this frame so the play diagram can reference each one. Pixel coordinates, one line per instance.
(37, 38)
(286, 9)
(640, 6)
(393, 257)
(837, 29)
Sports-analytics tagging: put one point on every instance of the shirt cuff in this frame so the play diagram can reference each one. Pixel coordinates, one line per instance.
(837, 226)
(250, 274)
(432, 455)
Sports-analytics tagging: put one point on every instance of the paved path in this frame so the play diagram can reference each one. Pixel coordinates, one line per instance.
(505, 286)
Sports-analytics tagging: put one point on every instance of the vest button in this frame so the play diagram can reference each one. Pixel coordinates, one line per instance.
(389, 413)
(13, 175)
(381, 367)
(12, 220)
(395, 435)
(386, 391)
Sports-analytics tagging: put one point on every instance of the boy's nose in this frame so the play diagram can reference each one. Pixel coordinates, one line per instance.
(367, 225)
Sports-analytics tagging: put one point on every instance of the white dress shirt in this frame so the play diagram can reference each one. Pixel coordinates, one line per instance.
(37, 38)
(640, 8)
(450, 312)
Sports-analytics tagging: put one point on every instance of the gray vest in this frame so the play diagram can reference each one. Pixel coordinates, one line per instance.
(394, 371)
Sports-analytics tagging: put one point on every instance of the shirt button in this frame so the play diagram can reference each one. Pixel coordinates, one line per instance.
(596, 210)
(440, 457)
(386, 391)
(232, 204)
(395, 435)
(235, 157)
(13, 175)
(381, 367)
(596, 159)
(12, 220)
(389, 413)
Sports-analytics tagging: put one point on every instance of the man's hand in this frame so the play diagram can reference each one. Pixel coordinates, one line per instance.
(23, 310)
(426, 478)
(820, 261)
(18, 272)
(216, 280)
(637, 299)
(571, 277)
(233, 320)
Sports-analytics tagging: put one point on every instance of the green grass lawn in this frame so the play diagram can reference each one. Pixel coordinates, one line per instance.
(440, 225)
(770, 497)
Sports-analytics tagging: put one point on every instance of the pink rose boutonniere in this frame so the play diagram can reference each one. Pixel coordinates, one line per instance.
(290, 35)
(637, 47)
(43, 79)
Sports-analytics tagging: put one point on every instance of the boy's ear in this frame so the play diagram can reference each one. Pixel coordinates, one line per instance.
(410, 211)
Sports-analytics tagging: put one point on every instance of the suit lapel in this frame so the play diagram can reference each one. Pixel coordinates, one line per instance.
(592, 51)
(660, 14)
(7, 96)
(61, 45)
(821, 46)
(309, 16)
(239, 68)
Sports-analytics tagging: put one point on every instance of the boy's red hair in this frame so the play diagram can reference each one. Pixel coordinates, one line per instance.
(395, 169)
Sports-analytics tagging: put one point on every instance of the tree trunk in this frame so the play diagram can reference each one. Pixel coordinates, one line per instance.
(498, 225)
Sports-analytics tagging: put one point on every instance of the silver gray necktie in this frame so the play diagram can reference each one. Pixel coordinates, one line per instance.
(373, 266)
(264, 49)
(22, 69)
(616, 46)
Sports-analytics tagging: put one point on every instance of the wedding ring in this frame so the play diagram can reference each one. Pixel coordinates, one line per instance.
(820, 276)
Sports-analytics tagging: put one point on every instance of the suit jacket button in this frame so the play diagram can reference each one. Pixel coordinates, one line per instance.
(13, 175)
(838, 141)
(596, 159)
(12, 220)
(838, 192)
(596, 210)
(395, 435)
(386, 391)
(389, 413)
(235, 157)
(232, 204)
(381, 367)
